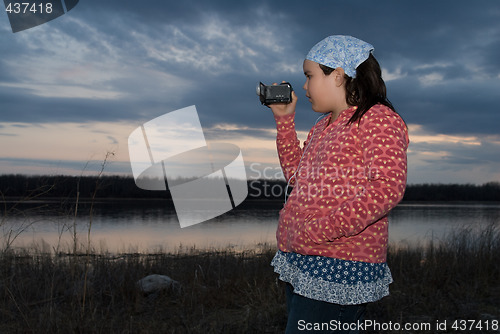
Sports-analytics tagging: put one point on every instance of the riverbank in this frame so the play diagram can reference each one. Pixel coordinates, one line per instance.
(224, 291)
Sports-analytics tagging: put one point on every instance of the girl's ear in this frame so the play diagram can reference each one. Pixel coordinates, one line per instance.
(339, 76)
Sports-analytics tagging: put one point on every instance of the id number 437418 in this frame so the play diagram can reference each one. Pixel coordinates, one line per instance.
(468, 325)
(28, 7)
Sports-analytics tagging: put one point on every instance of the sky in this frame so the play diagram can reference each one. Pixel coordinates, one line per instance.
(72, 90)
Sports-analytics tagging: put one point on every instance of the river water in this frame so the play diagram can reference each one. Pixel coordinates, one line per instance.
(150, 226)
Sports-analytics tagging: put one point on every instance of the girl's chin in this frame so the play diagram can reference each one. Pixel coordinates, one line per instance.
(320, 111)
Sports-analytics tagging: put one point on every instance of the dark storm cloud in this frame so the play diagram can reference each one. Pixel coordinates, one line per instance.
(443, 55)
(30, 108)
(452, 107)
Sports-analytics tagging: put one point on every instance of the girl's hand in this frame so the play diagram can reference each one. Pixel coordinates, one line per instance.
(283, 109)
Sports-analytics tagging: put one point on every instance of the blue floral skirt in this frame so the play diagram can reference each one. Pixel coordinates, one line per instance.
(333, 280)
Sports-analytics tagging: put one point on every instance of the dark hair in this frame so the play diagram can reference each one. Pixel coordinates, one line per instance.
(366, 90)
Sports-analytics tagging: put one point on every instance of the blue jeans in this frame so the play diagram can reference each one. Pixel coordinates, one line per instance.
(307, 315)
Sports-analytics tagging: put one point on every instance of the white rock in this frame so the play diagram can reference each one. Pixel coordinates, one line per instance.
(155, 283)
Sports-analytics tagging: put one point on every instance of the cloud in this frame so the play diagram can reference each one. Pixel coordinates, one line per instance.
(62, 167)
(444, 158)
(129, 62)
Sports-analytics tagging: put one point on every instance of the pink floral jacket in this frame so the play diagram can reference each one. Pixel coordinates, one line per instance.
(349, 178)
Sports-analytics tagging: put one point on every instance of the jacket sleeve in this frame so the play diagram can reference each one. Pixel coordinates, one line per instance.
(383, 140)
(288, 145)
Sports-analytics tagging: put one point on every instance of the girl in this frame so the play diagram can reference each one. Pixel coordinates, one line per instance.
(333, 229)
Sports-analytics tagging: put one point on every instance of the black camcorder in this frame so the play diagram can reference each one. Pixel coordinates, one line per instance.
(281, 93)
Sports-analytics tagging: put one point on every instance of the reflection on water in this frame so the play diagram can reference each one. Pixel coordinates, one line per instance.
(420, 223)
(133, 226)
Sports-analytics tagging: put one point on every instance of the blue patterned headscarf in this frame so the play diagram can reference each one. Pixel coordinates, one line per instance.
(341, 51)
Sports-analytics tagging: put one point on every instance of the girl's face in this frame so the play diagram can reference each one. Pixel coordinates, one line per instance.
(325, 92)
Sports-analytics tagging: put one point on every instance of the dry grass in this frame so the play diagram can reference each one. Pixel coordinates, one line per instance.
(232, 292)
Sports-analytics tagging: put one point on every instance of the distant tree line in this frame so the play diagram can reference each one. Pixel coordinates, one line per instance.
(71, 186)
(453, 192)
(15, 186)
